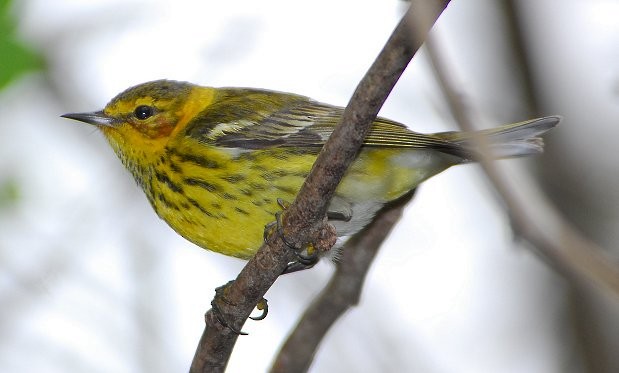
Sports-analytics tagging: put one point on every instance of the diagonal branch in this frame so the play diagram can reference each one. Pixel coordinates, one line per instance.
(304, 218)
(341, 293)
(556, 240)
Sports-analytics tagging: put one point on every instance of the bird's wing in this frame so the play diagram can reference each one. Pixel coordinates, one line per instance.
(257, 119)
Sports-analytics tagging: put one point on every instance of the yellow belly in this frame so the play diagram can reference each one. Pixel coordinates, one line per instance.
(222, 200)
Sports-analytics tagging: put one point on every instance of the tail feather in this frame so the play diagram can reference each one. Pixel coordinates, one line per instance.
(511, 140)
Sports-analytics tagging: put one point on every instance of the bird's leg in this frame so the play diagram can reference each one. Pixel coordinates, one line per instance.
(220, 297)
(307, 256)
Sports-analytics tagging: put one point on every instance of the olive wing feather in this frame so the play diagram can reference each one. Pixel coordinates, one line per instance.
(259, 119)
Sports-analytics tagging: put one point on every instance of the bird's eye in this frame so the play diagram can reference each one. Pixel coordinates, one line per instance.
(143, 112)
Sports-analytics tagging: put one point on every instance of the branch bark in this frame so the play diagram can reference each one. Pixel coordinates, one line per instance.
(341, 293)
(304, 218)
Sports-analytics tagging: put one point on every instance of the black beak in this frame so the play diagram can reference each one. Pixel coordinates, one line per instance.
(97, 118)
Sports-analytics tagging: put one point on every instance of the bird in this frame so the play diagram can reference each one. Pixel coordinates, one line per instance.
(215, 163)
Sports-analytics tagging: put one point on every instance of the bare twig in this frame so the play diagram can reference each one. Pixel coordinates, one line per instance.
(554, 238)
(304, 217)
(341, 293)
(520, 56)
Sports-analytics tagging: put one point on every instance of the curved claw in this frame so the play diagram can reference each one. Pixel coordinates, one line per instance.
(219, 296)
(298, 266)
(264, 307)
(277, 224)
(306, 258)
(310, 257)
(222, 320)
(283, 203)
(304, 261)
(267, 230)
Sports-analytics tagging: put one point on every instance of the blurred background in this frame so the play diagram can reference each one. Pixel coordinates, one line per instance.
(92, 281)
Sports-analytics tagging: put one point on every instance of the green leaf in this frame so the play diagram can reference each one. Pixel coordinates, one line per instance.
(16, 58)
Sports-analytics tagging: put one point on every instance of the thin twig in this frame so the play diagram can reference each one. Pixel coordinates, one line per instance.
(520, 56)
(304, 217)
(341, 293)
(560, 243)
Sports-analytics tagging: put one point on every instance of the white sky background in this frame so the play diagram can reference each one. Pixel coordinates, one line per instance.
(92, 281)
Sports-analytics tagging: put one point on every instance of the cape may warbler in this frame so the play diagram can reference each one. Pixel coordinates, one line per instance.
(213, 162)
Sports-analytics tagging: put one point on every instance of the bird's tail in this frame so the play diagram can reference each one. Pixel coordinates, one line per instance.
(511, 140)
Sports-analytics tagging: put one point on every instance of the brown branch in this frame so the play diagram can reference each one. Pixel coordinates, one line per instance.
(556, 240)
(304, 217)
(341, 293)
